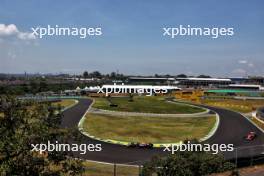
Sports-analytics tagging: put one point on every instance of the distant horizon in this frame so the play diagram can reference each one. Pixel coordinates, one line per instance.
(130, 37)
(134, 75)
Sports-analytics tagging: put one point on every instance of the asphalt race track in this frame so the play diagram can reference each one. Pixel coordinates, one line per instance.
(232, 128)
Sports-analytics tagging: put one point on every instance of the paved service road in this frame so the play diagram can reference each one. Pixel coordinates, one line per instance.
(233, 126)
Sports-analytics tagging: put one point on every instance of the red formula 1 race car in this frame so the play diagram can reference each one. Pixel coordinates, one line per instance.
(250, 136)
(140, 145)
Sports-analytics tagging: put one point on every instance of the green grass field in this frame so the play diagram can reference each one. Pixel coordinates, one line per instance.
(148, 129)
(145, 104)
(243, 106)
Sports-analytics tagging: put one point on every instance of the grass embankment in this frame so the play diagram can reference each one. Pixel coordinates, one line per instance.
(101, 169)
(243, 106)
(64, 103)
(148, 129)
(247, 171)
(145, 104)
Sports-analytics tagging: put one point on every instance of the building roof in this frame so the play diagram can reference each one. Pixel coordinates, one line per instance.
(227, 91)
(245, 85)
(150, 78)
(205, 79)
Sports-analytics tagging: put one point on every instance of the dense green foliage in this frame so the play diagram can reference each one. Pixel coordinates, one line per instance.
(26, 123)
(38, 86)
(187, 164)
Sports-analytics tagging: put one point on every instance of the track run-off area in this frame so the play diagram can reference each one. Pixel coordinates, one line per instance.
(232, 128)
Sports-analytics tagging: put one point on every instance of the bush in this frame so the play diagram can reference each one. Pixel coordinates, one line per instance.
(187, 164)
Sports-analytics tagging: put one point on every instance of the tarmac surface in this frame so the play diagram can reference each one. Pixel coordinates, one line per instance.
(232, 129)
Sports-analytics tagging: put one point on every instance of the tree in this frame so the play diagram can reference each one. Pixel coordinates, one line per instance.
(96, 74)
(43, 86)
(34, 86)
(187, 164)
(113, 75)
(156, 75)
(181, 76)
(85, 74)
(203, 76)
(130, 97)
(26, 123)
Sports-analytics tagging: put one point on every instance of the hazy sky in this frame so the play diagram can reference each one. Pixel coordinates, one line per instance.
(132, 40)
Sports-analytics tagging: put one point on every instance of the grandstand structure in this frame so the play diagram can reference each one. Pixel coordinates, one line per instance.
(203, 82)
(246, 87)
(151, 80)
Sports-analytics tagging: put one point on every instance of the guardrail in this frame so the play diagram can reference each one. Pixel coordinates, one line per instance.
(260, 113)
(246, 156)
